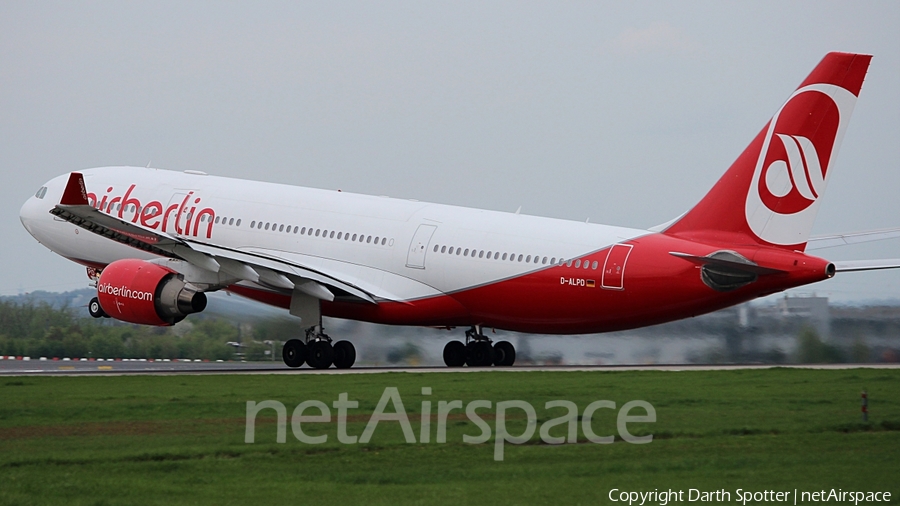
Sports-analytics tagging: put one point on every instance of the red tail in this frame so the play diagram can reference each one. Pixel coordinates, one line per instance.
(770, 194)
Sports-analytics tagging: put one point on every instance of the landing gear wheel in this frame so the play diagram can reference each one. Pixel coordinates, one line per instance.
(95, 309)
(344, 354)
(504, 354)
(479, 354)
(294, 353)
(321, 354)
(455, 354)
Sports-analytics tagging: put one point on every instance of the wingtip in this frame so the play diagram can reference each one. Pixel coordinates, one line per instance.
(75, 193)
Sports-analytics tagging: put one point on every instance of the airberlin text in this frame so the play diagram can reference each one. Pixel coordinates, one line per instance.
(123, 291)
(744, 496)
(178, 216)
(568, 420)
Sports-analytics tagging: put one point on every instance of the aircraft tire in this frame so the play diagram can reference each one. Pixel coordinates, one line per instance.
(455, 354)
(479, 354)
(504, 354)
(95, 309)
(344, 354)
(321, 355)
(294, 353)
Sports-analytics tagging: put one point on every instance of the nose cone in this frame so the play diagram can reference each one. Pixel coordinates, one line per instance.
(28, 214)
(35, 211)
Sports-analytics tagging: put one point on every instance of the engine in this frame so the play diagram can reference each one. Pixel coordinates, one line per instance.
(141, 292)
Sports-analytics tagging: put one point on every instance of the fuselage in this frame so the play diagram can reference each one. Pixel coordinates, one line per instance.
(427, 264)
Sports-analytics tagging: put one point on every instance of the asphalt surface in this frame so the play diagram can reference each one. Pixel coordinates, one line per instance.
(36, 367)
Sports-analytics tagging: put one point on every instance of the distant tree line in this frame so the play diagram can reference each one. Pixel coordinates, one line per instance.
(37, 329)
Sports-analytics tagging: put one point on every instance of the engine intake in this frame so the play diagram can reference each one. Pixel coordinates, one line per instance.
(141, 292)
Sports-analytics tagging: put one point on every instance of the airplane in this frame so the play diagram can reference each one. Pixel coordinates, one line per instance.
(154, 242)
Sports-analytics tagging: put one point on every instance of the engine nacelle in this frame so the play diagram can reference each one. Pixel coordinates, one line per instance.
(136, 291)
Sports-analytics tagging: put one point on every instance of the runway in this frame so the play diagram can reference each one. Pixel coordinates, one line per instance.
(144, 367)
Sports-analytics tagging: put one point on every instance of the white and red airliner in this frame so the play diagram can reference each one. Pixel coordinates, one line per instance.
(154, 241)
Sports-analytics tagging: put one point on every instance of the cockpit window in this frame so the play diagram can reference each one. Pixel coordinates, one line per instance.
(40, 193)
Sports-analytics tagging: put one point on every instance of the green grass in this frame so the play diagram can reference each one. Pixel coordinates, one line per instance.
(180, 439)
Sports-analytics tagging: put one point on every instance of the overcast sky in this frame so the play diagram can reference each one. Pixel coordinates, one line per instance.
(624, 113)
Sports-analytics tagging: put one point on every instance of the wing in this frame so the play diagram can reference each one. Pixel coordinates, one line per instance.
(277, 272)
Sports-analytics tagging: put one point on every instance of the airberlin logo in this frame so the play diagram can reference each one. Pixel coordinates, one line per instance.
(793, 169)
(796, 154)
(800, 175)
(184, 217)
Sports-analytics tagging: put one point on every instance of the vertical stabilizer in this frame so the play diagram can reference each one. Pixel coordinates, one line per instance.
(770, 195)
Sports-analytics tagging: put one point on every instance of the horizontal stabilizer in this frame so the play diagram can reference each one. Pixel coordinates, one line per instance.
(721, 262)
(830, 241)
(866, 265)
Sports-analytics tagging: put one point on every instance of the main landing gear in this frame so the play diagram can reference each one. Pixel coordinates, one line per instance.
(478, 351)
(318, 352)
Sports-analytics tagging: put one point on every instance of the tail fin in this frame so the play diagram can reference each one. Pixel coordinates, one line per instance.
(770, 194)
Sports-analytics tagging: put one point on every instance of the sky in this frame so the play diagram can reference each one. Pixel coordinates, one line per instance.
(624, 113)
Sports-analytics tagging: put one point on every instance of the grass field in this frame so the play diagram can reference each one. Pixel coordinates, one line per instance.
(180, 439)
